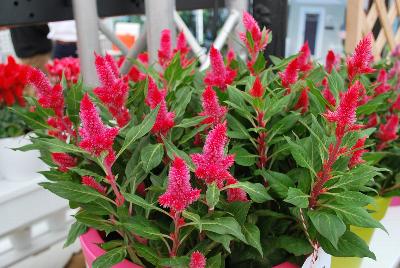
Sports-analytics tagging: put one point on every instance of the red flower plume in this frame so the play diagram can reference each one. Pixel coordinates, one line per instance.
(211, 108)
(359, 62)
(388, 131)
(179, 194)
(197, 260)
(230, 56)
(165, 120)
(212, 165)
(303, 102)
(63, 161)
(92, 183)
(331, 61)
(235, 194)
(219, 75)
(304, 58)
(381, 82)
(396, 104)
(327, 93)
(290, 75)
(257, 91)
(114, 90)
(260, 38)
(95, 136)
(13, 78)
(165, 51)
(68, 66)
(357, 152)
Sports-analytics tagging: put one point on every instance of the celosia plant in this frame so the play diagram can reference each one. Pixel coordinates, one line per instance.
(239, 166)
(67, 67)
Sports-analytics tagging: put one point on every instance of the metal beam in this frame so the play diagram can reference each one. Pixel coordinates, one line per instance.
(234, 41)
(85, 13)
(111, 36)
(139, 46)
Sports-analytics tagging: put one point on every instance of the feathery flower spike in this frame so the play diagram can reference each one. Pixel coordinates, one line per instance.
(179, 194)
(381, 82)
(331, 61)
(361, 59)
(257, 90)
(92, 183)
(219, 75)
(212, 164)
(211, 108)
(290, 75)
(327, 93)
(388, 131)
(357, 152)
(165, 51)
(63, 161)
(259, 38)
(165, 120)
(230, 56)
(304, 58)
(235, 194)
(197, 260)
(303, 101)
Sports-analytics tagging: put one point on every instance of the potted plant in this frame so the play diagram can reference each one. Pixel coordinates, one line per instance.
(13, 129)
(239, 166)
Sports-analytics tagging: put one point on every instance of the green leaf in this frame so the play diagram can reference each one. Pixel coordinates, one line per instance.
(214, 261)
(176, 262)
(94, 221)
(77, 229)
(136, 132)
(224, 240)
(279, 182)
(300, 155)
(143, 227)
(110, 258)
(151, 156)
(191, 122)
(193, 217)
(353, 198)
(212, 195)
(237, 209)
(224, 225)
(349, 245)
(297, 197)
(147, 253)
(243, 157)
(252, 234)
(328, 225)
(173, 151)
(295, 245)
(137, 200)
(356, 216)
(56, 145)
(235, 125)
(72, 191)
(257, 192)
(73, 98)
(336, 83)
(31, 119)
(356, 178)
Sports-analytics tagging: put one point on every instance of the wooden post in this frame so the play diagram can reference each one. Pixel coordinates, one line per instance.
(354, 24)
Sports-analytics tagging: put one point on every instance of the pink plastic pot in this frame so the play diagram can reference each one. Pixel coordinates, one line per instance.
(91, 250)
(395, 201)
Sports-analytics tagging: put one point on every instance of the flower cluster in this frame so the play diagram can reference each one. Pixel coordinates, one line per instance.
(68, 66)
(214, 112)
(359, 62)
(166, 53)
(13, 78)
(64, 161)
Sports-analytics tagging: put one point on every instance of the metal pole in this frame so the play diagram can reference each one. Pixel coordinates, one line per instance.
(159, 16)
(139, 46)
(199, 25)
(111, 36)
(233, 41)
(85, 14)
(197, 49)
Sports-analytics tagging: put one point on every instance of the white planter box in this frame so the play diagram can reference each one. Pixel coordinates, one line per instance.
(17, 165)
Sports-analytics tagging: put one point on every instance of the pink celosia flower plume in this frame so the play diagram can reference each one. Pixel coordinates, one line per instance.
(257, 90)
(388, 131)
(181, 45)
(372, 121)
(197, 260)
(165, 51)
(134, 73)
(357, 152)
(92, 183)
(331, 61)
(212, 165)
(360, 61)
(63, 161)
(114, 90)
(219, 75)
(95, 136)
(68, 66)
(381, 83)
(303, 101)
(214, 112)
(165, 120)
(345, 114)
(230, 56)
(259, 38)
(290, 75)
(396, 104)
(179, 194)
(304, 58)
(235, 194)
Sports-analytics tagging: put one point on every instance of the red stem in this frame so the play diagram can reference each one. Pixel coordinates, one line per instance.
(175, 235)
(261, 145)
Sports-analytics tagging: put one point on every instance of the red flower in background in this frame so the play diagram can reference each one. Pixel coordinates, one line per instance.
(290, 75)
(331, 61)
(345, 114)
(396, 104)
(63, 161)
(219, 75)
(395, 72)
(95, 136)
(114, 89)
(134, 73)
(257, 90)
(327, 93)
(68, 66)
(303, 101)
(13, 79)
(360, 61)
(179, 194)
(197, 260)
(144, 58)
(230, 56)
(211, 108)
(235, 194)
(165, 120)
(357, 152)
(165, 51)
(372, 121)
(381, 82)
(92, 183)
(212, 165)
(388, 131)
(304, 63)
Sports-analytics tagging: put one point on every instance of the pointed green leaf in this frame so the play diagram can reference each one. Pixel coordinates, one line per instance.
(297, 197)
(252, 234)
(212, 195)
(110, 258)
(328, 225)
(151, 156)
